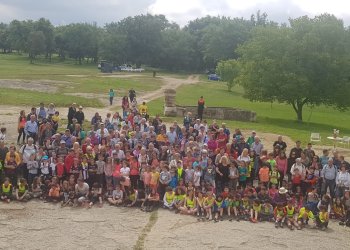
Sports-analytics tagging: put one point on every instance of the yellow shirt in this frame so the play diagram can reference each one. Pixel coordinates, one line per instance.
(56, 118)
(154, 178)
(302, 212)
(143, 109)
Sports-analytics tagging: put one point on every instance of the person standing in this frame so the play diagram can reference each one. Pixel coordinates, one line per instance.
(71, 113)
(31, 128)
(132, 94)
(201, 104)
(79, 115)
(329, 175)
(111, 95)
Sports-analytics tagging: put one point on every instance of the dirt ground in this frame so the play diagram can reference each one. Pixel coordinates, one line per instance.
(38, 225)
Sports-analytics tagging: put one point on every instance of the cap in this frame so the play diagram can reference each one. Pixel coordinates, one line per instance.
(80, 107)
(45, 157)
(62, 141)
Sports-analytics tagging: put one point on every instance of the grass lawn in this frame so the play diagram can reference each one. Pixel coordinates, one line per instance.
(275, 118)
(85, 78)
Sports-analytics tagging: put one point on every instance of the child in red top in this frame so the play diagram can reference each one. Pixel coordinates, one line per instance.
(60, 169)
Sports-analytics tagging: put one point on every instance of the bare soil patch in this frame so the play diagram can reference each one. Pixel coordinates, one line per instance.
(48, 86)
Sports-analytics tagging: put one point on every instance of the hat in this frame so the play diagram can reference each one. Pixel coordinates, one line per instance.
(282, 190)
(62, 141)
(80, 107)
(253, 132)
(45, 157)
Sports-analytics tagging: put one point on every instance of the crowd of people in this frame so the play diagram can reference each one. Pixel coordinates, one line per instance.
(194, 168)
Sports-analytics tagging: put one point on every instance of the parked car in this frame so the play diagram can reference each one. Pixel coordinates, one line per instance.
(213, 77)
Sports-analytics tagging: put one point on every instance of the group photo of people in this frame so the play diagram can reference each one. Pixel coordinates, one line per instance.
(192, 167)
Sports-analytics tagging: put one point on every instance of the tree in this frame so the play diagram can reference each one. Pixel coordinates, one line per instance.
(306, 63)
(228, 72)
(47, 29)
(36, 44)
(4, 38)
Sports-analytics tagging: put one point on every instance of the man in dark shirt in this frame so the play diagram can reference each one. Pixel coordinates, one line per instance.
(297, 149)
(79, 115)
(280, 143)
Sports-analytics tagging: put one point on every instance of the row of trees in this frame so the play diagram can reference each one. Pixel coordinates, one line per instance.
(144, 39)
(304, 63)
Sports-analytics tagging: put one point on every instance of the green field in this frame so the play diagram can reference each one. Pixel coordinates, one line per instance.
(85, 78)
(275, 118)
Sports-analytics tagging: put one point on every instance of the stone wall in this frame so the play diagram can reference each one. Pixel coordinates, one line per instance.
(221, 113)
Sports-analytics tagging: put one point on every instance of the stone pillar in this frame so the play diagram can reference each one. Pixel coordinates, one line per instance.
(169, 102)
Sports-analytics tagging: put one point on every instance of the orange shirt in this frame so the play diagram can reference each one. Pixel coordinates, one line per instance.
(264, 174)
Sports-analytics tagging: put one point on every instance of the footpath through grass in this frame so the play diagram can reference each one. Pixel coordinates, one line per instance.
(275, 118)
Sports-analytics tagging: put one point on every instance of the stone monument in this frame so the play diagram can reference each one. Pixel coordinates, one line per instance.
(169, 102)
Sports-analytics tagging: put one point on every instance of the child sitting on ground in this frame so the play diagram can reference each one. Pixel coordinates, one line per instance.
(218, 208)
(95, 195)
(305, 214)
(54, 192)
(208, 205)
(322, 218)
(190, 206)
(266, 213)
(200, 206)
(338, 210)
(169, 198)
(280, 215)
(255, 211)
(117, 196)
(291, 212)
(22, 193)
(6, 190)
(36, 188)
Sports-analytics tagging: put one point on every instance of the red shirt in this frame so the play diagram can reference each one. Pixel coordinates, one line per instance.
(68, 162)
(116, 172)
(296, 179)
(60, 169)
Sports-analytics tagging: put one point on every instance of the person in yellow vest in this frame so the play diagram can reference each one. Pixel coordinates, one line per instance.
(6, 190)
(179, 198)
(255, 211)
(208, 204)
(305, 214)
(22, 193)
(323, 218)
(169, 198)
(189, 206)
(291, 212)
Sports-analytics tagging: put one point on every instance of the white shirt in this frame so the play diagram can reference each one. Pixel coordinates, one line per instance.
(343, 179)
(125, 171)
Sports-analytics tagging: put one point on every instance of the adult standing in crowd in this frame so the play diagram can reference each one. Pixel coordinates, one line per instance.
(31, 128)
(20, 127)
(71, 113)
(26, 151)
(132, 94)
(79, 115)
(200, 108)
(329, 175)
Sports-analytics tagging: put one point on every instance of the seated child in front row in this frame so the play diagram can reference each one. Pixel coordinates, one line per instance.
(169, 198)
(95, 195)
(305, 214)
(54, 192)
(218, 208)
(117, 196)
(266, 213)
(255, 211)
(22, 193)
(322, 218)
(6, 190)
(291, 212)
(280, 215)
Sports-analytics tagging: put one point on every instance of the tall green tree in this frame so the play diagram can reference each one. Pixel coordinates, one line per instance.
(4, 38)
(36, 44)
(306, 63)
(45, 26)
(228, 71)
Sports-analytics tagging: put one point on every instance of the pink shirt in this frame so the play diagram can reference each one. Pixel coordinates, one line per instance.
(282, 165)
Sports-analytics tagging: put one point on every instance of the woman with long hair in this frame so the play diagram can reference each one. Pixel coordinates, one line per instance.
(21, 124)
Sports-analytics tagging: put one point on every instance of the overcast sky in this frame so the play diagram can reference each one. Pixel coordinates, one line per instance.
(181, 11)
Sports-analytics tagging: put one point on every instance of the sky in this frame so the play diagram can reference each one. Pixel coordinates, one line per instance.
(61, 12)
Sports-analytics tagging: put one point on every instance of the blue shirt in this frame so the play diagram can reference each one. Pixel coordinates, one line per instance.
(329, 173)
(31, 127)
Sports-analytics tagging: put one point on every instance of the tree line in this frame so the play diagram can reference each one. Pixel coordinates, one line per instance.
(304, 62)
(144, 39)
